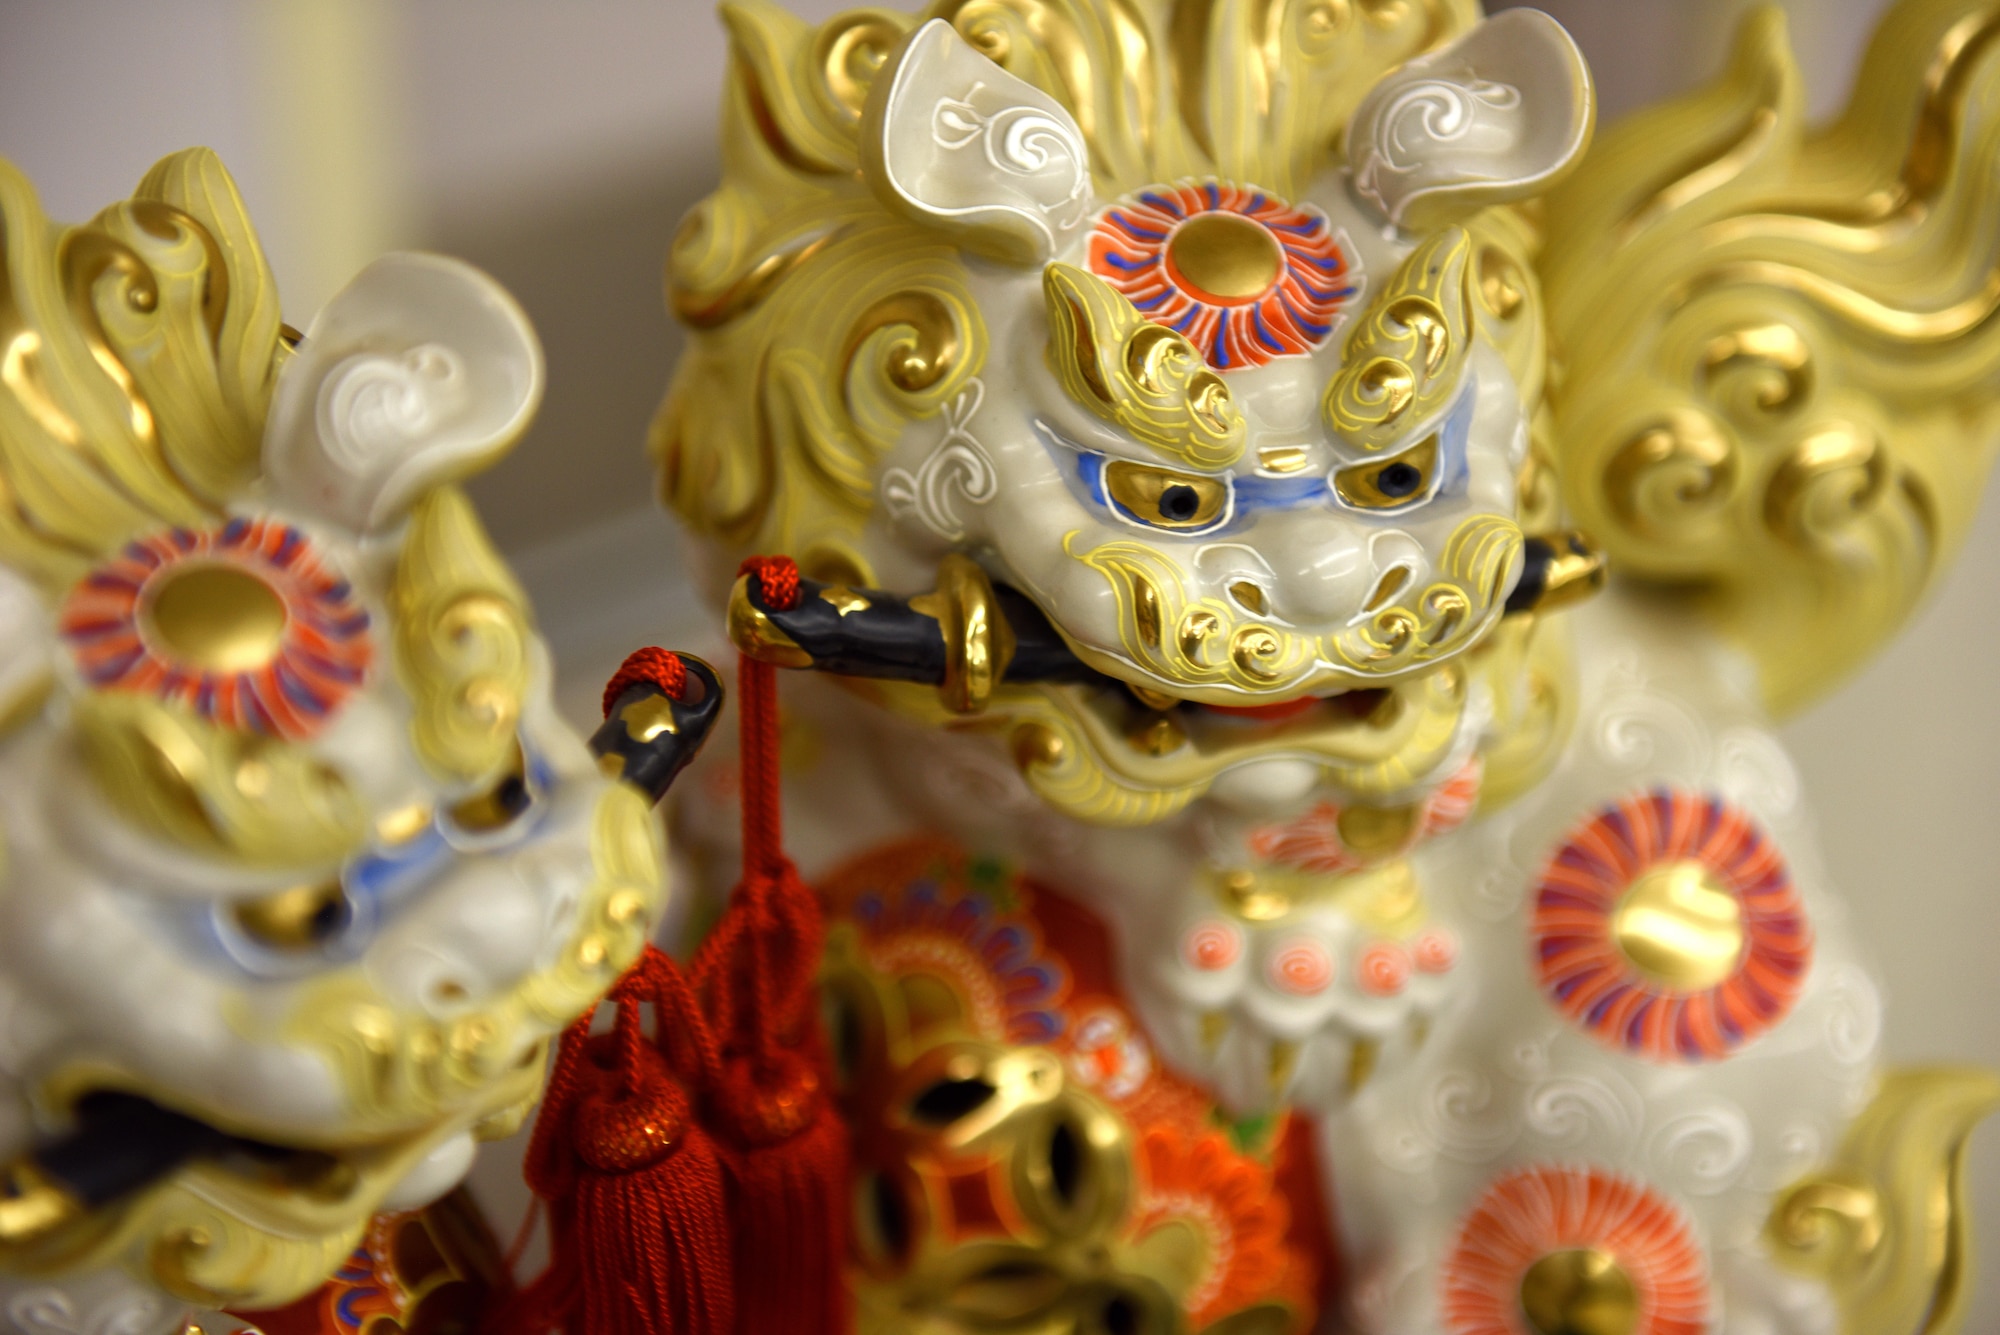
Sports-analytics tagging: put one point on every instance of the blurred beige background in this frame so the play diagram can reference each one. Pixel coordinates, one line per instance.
(557, 145)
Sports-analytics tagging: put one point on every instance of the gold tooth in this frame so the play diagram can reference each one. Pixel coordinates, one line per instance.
(1361, 1063)
(1284, 1059)
(1214, 1024)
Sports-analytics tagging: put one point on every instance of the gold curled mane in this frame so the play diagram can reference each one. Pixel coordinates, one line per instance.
(137, 357)
(1779, 349)
(821, 324)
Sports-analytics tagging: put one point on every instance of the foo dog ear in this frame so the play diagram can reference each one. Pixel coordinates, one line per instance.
(419, 372)
(1502, 113)
(952, 141)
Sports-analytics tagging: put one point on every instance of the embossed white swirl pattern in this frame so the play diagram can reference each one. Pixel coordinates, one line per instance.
(1854, 1015)
(1020, 141)
(1435, 112)
(958, 464)
(1651, 730)
(1704, 1152)
(1574, 1111)
(1464, 1119)
(371, 405)
(1756, 772)
(51, 1311)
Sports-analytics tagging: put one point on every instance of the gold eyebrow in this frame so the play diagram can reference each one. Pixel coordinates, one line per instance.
(243, 795)
(461, 639)
(1407, 354)
(1137, 375)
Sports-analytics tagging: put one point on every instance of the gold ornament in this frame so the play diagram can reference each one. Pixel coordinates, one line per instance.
(1886, 1223)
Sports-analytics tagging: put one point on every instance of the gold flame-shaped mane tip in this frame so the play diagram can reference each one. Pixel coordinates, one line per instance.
(137, 354)
(1779, 378)
(1405, 358)
(1886, 1224)
(1137, 375)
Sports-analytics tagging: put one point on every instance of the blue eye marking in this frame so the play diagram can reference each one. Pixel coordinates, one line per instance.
(1252, 494)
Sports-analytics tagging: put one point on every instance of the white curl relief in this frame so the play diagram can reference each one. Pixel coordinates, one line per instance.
(1854, 1015)
(959, 465)
(1466, 1121)
(1755, 771)
(1462, 113)
(1023, 142)
(1573, 1112)
(1704, 1152)
(1651, 731)
(371, 405)
(48, 1310)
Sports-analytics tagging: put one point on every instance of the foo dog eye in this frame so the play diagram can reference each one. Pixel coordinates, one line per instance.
(1385, 484)
(501, 804)
(1163, 498)
(296, 919)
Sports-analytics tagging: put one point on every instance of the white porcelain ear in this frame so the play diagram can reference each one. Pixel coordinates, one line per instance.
(1500, 114)
(953, 141)
(420, 371)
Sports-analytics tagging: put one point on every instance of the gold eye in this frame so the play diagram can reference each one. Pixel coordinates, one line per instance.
(1384, 484)
(501, 804)
(1163, 498)
(294, 919)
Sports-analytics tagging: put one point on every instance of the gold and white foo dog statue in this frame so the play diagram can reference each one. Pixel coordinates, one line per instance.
(1215, 401)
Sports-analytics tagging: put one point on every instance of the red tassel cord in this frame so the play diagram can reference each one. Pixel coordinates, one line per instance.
(638, 1209)
(785, 1147)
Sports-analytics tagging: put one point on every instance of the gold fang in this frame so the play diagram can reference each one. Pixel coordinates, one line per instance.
(217, 617)
(1680, 926)
(1580, 1291)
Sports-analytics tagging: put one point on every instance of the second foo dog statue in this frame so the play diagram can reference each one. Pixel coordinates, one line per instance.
(1253, 894)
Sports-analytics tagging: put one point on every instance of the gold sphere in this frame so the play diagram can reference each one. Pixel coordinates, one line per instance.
(1580, 1291)
(1226, 257)
(1680, 925)
(218, 617)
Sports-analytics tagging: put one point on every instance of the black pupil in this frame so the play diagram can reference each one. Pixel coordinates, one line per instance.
(1179, 503)
(510, 796)
(1399, 480)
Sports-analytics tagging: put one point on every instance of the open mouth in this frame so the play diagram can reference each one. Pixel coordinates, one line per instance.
(1162, 733)
(1090, 742)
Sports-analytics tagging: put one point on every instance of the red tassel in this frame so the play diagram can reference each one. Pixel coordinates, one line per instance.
(638, 1213)
(651, 1216)
(784, 1144)
(789, 1201)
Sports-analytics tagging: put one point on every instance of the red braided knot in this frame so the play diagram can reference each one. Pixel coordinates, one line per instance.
(662, 667)
(777, 580)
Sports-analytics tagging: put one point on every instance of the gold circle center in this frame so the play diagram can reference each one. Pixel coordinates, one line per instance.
(1679, 925)
(1581, 1291)
(216, 617)
(1225, 257)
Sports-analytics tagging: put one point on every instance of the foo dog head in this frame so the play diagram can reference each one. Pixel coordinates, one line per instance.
(1106, 302)
(295, 845)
